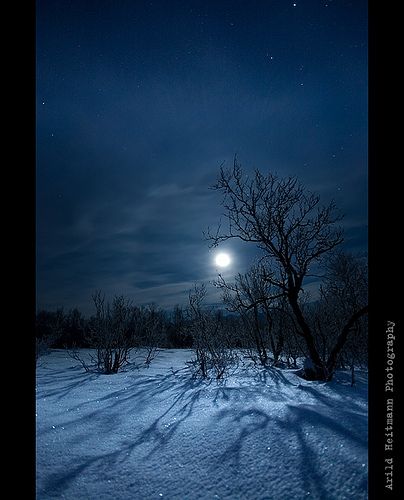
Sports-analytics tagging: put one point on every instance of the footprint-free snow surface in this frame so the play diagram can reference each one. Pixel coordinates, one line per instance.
(157, 433)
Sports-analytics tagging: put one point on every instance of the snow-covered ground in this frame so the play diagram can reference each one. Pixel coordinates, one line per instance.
(157, 433)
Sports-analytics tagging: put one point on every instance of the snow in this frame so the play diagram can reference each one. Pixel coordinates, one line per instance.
(156, 432)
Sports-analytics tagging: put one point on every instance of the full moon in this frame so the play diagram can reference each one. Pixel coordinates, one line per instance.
(222, 259)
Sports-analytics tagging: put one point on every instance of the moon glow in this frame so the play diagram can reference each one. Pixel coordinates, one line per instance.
(222, 259)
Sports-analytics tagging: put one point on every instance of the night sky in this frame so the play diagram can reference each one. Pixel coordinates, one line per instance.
(138, 103)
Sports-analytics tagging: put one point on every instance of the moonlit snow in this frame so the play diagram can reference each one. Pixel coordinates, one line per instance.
(153, 433)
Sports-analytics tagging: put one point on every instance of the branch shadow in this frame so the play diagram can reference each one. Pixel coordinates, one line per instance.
(158, 434)
(346, 425)
(70, 380)
(296, 421)
(183, 393)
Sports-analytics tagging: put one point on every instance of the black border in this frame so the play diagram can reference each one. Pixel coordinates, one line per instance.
(385, 261)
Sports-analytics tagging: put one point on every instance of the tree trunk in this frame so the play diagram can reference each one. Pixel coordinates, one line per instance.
(258, 339)
(332, 359)
(305, 331)
(352, 374)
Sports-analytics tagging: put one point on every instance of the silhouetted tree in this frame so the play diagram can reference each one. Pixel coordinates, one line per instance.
(251, 296)
(343, 296)
(109, 333)
(294, 231)
(49, 327)
(152, 331)
(207, 332)
(177, 334)
(73, 330)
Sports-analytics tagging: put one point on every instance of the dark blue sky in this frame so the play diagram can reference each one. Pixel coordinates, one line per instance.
(140, 102)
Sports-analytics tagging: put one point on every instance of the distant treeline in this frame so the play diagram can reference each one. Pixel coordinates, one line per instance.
(67, 329)
(268, 334)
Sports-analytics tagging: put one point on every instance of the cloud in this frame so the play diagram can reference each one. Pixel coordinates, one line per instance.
(169, 190)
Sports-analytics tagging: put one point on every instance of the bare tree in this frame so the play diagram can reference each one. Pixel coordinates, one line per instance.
(343, 295)
(119, 330)
(50, 326)
(211, 351)
(251, 296)
(281, 327)
(110, 333)
(74, 329)
(355, 351)
(177, 332)
(152, 331)
(293, 230)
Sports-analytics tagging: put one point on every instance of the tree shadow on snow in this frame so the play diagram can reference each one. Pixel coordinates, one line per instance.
(290, 440)
(141, 397)
(270, 375)
(345, 427)
(183, 396)
(60, 383)
(347, 398)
